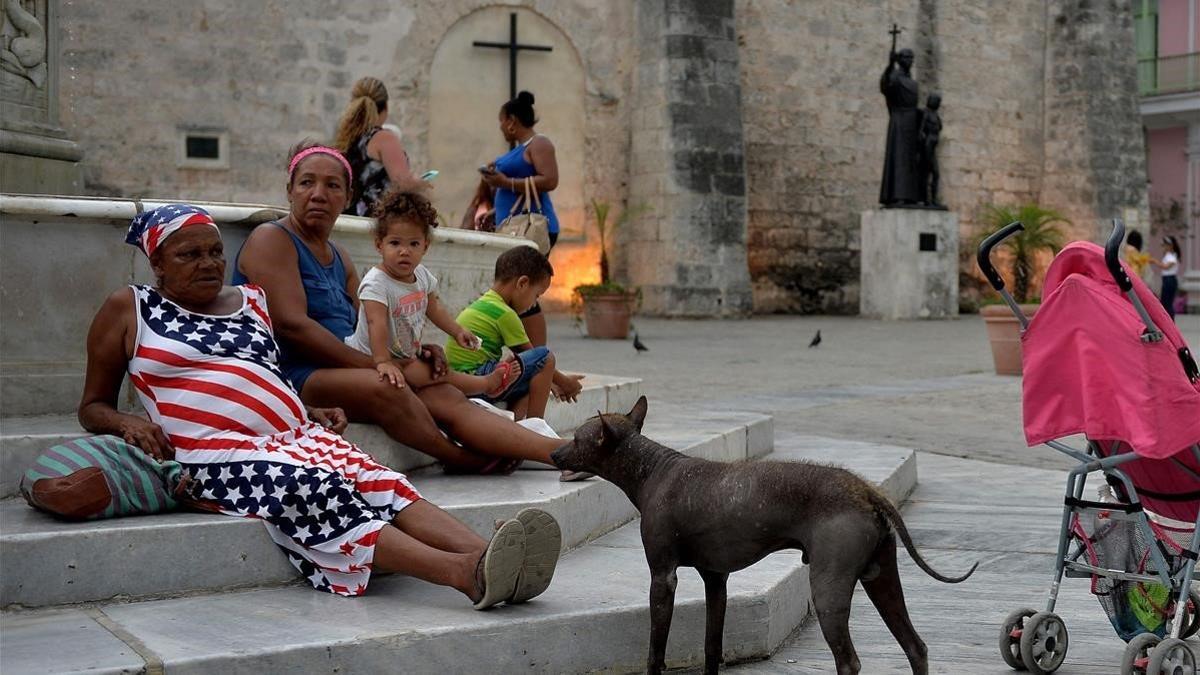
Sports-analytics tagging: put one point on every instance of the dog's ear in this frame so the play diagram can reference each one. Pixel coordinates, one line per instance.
(608, 435)
(638, 414)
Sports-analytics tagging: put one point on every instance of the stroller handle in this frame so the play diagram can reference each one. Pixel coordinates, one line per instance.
(1112, 256)
(984, 256)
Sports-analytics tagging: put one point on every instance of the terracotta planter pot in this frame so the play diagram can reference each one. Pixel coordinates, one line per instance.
(607, 315)
(1004, 332)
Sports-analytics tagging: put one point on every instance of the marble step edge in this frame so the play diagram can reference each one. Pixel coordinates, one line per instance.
(49, 562)
(594, 618)
(23, 438)
(577, 626)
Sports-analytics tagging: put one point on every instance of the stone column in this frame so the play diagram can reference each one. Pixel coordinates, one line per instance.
(687, 251)
(1190, 240)
(1095, 158)
(35, 154)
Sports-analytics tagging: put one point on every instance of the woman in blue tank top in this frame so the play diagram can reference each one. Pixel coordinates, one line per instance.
(531, 157)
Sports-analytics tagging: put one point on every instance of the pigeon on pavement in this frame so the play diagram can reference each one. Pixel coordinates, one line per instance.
(637, 344)
(816, 340)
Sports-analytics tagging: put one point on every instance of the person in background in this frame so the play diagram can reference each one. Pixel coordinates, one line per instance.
(1170, 273)
(1137, 258)
(376, 155)
(532, 156)
(480, 214)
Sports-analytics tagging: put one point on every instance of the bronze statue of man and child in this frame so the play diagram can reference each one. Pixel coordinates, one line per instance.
(910, 166)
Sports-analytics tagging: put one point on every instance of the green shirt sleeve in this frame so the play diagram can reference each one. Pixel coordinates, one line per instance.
(512, 331)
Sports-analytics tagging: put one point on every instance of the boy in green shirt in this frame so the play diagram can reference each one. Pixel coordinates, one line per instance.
(522, 275)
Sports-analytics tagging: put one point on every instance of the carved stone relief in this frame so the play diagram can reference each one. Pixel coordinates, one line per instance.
(24, 58)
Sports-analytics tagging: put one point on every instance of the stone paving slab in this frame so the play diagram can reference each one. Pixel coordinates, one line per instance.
(49, 562)
(594, 617)
(65, 641)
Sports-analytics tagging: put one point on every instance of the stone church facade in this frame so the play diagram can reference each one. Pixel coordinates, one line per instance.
(747, 133)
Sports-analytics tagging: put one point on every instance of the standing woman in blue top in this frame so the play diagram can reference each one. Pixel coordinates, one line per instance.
(532, 156)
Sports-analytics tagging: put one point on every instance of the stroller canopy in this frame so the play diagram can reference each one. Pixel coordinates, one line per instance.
(1087, 370)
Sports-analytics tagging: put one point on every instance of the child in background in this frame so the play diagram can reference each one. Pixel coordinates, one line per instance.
(1170, 272)
(522, 275)
(1138, 260)
(398, 294)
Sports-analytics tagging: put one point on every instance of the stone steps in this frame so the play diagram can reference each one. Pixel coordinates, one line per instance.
(23, 438)
(51, 562)
(593, 618)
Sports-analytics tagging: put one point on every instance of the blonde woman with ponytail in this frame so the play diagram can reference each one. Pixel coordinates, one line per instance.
(375, 152)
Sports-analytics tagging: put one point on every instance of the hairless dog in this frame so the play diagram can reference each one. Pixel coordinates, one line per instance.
(720, 518)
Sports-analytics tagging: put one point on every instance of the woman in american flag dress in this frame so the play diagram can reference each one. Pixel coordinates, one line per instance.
(202, 358)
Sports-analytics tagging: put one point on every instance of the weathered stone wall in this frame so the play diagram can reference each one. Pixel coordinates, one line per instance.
(1095, 153)
(1039, 103)
(687, 252)
(816, 121)
(681, 96)
(274, 72)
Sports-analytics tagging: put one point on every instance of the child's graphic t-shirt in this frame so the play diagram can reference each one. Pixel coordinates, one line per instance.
(406, 304)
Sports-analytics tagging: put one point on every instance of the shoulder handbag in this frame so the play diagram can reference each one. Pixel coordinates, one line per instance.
(527, 223)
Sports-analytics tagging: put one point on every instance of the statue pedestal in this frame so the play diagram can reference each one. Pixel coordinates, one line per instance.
(36, 156)
(909, 264)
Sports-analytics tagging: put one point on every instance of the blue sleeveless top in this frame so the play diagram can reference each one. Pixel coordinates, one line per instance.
(514, 165)
(328, 303)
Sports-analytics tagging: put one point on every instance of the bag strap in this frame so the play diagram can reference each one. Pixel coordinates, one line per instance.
(516, 205)
(536, 198)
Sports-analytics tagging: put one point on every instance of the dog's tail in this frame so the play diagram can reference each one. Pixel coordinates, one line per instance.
(885, 507)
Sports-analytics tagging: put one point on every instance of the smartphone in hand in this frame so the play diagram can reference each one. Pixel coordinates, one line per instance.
(486, 169)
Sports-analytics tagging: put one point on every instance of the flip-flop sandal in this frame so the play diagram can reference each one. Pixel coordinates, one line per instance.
(512, 374)
(543, 543)
(573, 476)
(501, 564)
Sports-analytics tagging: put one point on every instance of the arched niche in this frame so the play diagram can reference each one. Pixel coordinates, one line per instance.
(468, 84)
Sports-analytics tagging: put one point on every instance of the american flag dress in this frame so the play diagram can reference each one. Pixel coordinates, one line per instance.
(214, 386)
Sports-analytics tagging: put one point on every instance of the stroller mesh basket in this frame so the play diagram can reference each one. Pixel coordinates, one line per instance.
(1134, 607)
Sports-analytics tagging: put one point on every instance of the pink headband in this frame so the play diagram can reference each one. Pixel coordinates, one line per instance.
(320, 149)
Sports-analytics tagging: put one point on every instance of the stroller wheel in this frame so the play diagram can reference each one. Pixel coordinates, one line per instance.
(1137, 654)
(1171, 657)
(1010, 637)
(1044, 643)
(1191, 616)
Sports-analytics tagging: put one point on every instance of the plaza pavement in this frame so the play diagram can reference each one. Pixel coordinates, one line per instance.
(982, 494)
(925, 385)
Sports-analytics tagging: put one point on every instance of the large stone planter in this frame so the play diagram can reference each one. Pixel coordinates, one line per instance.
(607, 315)
(1004, 334)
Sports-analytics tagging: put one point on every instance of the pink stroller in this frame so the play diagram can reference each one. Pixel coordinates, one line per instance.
(1102, 358)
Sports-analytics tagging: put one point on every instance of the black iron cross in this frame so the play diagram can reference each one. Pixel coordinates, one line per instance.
(513, 47)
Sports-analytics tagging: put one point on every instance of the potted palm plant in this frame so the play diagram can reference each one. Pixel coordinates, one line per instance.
(607, 307)
(1043, 233)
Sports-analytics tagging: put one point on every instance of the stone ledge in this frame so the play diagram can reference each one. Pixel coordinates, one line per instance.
(48, 562)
